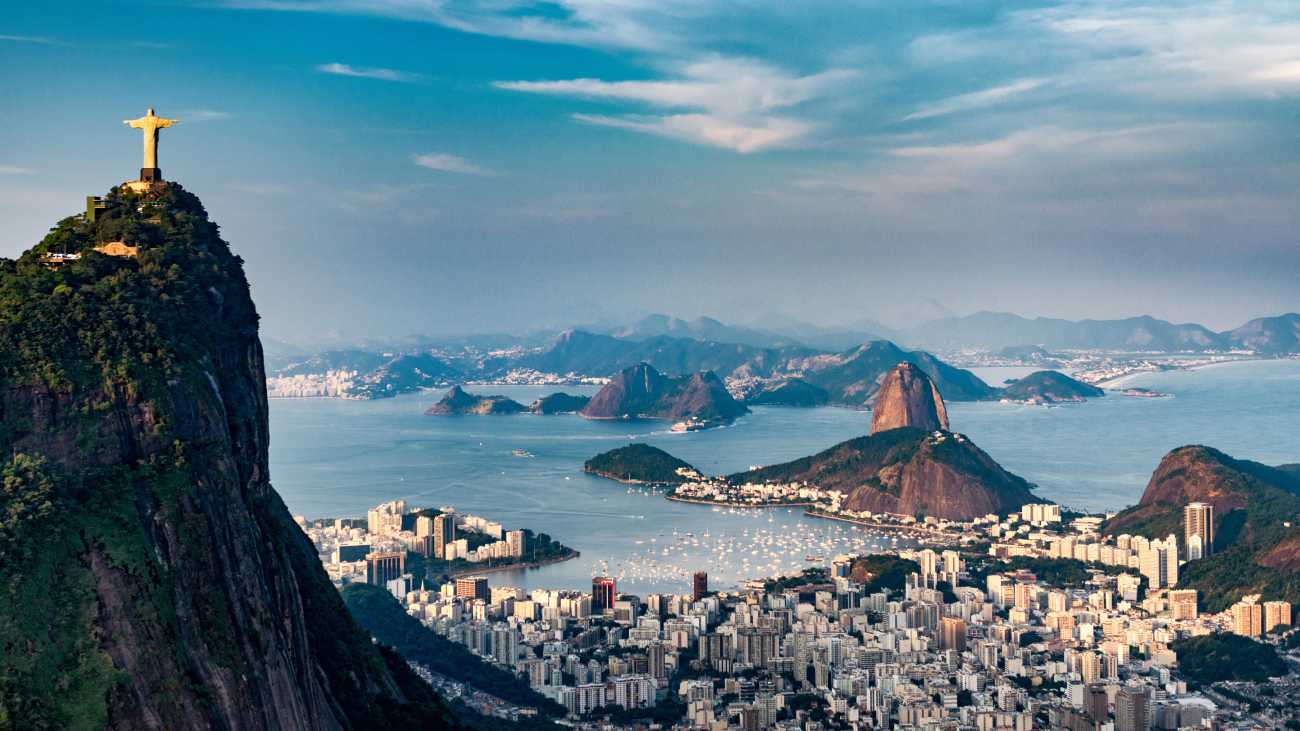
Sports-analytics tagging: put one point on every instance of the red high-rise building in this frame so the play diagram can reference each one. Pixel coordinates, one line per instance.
(602, 594)
(699, 586)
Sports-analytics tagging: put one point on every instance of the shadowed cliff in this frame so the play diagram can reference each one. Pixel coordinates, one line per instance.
(150, 577)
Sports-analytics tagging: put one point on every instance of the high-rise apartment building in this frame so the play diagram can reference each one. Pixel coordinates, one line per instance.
(444, 532)
(1159, 563)
(383, 567)
(515, 539)
(473, 587)
(603, 591)
(952, 633)
(1198, 530)
(1131, 709)
(1276, 614)
(699, 586)
(1247, 618)
(1182, 604)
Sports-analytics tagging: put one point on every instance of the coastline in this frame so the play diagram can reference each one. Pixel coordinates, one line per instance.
(905, 529)
(726, 504)
(471, 570)
(1119, 381)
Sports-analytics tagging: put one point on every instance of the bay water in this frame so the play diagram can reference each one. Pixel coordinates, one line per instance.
(334, 458)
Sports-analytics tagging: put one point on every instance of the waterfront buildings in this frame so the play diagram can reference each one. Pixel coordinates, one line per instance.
(964, 642)
(699, 585)
(603, 591)
(472, 587)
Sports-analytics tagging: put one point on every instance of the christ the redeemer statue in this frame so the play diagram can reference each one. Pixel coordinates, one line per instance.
(149, 124)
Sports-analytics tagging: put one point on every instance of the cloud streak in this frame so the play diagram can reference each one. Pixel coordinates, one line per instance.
(445, 163)
(204, 115)
(363, 72)
(975, 99)
(732, 103)
(40, 40)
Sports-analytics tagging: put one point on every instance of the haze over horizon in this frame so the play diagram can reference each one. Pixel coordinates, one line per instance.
(388, 167)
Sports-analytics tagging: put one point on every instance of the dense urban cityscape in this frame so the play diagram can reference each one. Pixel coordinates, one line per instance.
(1083, 632)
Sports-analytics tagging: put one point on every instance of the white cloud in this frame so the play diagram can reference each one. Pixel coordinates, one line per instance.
(361, 72)
(628, 24)
(15, 170)
(204, 115)
(975, 99)
(445, 163)
(724, 102)
(1197, 48)
(766, 133)
(31, 39)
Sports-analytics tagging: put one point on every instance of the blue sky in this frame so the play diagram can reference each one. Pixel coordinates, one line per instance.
(399, 166)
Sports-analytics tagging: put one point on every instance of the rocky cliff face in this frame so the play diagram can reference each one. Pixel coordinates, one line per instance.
(645, 393)
(908, 471)
(908, 398)
(152, 578)
(1255, 550)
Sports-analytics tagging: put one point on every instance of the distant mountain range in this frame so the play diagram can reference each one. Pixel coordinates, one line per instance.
(997, 330)
(701, 328)
(754, 361)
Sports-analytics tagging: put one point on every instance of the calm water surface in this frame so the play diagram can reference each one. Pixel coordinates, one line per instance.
(338, 458)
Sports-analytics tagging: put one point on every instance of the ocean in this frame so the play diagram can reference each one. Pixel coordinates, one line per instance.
(333, 458)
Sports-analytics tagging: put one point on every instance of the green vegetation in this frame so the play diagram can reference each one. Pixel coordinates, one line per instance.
(1255, 550)
(1057, 572)
(1050, 386)
(136, 380)
(1223, 656)
(638, 463)
(883, 571)
(809, 576)
(380, 614)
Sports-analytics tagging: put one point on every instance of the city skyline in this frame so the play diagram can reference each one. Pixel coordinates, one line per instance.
(593, 160)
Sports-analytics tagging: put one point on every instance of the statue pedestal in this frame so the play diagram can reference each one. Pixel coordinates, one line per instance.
(145, 186)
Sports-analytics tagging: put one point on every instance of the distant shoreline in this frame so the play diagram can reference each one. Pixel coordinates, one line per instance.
(1118, 381)
(882, 526)
(728, 504)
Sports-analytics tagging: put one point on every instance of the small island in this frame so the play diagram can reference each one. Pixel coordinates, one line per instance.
(642, 392)
(1050, 387)
(559, 403)
(1140, 392)
(458, 402)
(641, 464)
